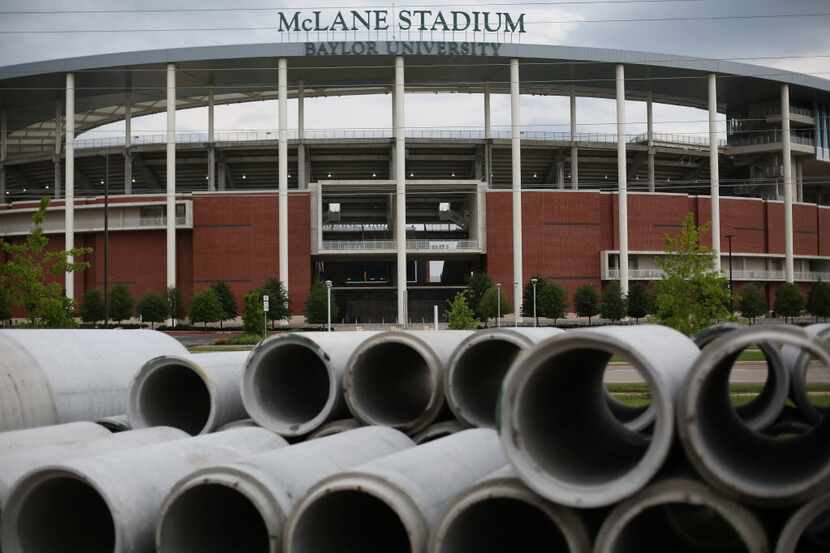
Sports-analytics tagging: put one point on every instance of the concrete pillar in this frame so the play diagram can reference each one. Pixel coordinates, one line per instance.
(128, 142)
(560, 174)
(622, 179)
(211, 176)
(282, 91)
(4, 150)
(398, 117)
(789, 262)
(171, 175)
(799, 175)
(574, 147)
(652, 183)
(301, 174)
(714, 168)
(69, 175)
(56, 155)
(488, 135)
(516, 169)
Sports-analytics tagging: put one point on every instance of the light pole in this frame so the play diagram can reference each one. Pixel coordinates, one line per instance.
(731, 284)
(535, 316)
(106, 239)
(328, 305)
(498, 304)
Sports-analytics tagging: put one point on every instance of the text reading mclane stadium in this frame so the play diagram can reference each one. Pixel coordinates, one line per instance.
(407, 20)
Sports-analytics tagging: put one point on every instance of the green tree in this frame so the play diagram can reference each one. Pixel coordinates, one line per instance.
(229, 308)
(316, 306)
(278, 307)
(489, 305)
(640, 302)
(5, 306)
(788, 301)
(253, 317)
(586, 301)
(32, 275)
(477, 286)
(459, 314)
(206, 308)
(818, 300)
(550, 299)
(691, 295)
(92, 307)
(752, 302)
(175, 305)
(121, 303)
(153, 308)
(614, 305)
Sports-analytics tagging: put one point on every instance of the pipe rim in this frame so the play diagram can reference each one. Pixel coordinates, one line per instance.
(461, 411)
(244, 482)
(733, 482)
(438, 431)
(254, 407)
(335, 427)
(683, 491)
(799, 521)
(436, 373)
(798, 383)
(375, 486)
(567, 521)
(135, 414)
(575, 494)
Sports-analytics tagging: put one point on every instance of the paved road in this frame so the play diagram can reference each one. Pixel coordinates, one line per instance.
(743, 373)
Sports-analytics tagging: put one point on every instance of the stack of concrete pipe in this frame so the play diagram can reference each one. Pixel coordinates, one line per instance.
(386, 455)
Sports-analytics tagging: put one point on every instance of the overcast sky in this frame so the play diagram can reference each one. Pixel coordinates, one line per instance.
(794, 43)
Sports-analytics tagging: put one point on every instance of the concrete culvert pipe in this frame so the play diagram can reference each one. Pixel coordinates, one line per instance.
(680, 515)
(391, 505)
(437, 431)
(242, 423)
(798, 362)
(292, 384)
(55, 376)
(72, 432)
(808, 529)
(242, 507)
(763, 410)
(478, 366)
(501, 514)
(396, 378)
(115, 424)
(335, 427)
(110, 503)
(736, 459)
(197, 393)
(556, 424)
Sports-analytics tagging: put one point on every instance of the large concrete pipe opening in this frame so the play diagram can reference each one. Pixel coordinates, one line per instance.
(170, 391)
(59, 514)
(804, 370)
(348, 520)
(213, 518)
(808, 529)
(394, 380)
(732, 455)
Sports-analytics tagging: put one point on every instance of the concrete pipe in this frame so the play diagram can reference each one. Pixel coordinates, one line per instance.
(808, 529)
(242, 507)
(437, 431)
(68, 433)
(396, 378)
(115, 423)
(798, 362)
(681, 514)
(111, 503)
(292, 384)
(501, 514)
(243, 423)
(335, 427)
(394, 503)
(763, 410)
(14, 465)
(733, 457)
(478, 366)
(56, 376)
(557, 427)
(197, 393)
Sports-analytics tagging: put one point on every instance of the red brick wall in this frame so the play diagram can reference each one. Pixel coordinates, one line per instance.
(651, 217)
(499, 228)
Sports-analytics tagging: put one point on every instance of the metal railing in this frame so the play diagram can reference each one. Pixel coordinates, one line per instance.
(411, 245)
(740, 275)
(773, 136)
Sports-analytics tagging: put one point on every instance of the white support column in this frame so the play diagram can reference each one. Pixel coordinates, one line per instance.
(128, 142)
(574, 147)
(789, 262)
(171, 175)
(516, 169)
(56, 155)
(488, 135)
(211, 176)
(4, 151)
(560, 174)
(714, 168)
(301, 176)
(282, 92)
(799, 175)
(622, 179)
(399, 116)
(652, 183)
(69, 175)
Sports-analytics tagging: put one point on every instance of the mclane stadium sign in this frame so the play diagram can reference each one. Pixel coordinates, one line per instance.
(401, 20)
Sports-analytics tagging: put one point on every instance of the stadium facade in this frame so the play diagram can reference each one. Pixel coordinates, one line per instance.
(376, 211)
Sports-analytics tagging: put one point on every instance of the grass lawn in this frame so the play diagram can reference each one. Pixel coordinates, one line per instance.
(637, 394)
(751, 354)
(207, 349)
